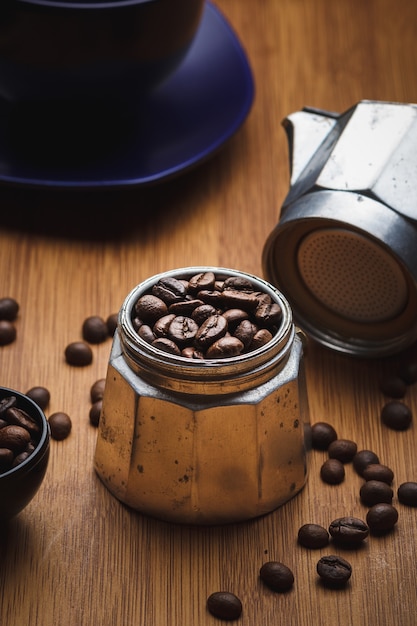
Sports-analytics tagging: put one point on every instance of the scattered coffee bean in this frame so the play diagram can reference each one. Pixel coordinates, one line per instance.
(94, 329)
(396, 415)
(348, 531)
(7, 332)
(313, 536)
(407, 493)
(224, 605)
(78, 353)
(362, 459)
(332, 471)
(375, 491)
(334, 571)
(342, 449)
(111, 323)
(97, 390)
(9, 309)
(382, 517)
(60, 425)
(40, 395)
(322, 435)
(393, 386)
(95, 413)
(378, 471)
(277, 576)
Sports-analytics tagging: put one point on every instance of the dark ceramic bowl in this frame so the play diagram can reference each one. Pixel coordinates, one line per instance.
(19, 485)
(72, 49)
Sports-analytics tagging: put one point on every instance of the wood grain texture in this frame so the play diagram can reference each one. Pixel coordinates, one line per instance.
(76, 556)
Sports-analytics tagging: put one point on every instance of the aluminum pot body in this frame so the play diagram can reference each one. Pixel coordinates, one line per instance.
(204, 442)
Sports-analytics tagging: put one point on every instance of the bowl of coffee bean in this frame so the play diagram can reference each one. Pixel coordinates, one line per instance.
(24, 451)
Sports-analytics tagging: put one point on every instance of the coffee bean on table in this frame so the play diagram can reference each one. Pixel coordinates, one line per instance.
(78, 353)
(407, 493)
(60, 425)
(94, 329)
(348, 531)
(332, 472)
(97, 390)
(408, 372)
(313, 536)
(224, 605)
(393, 386)
(322, 435)
(396, 415)
(382, 517)
(333, 570)
(342, 449)
(362, 459)
(277, 576)
(40, 395)
(378, 471)
(111, 323)
(8, 332)
(9, 308)
(375, 491)
(95, 412)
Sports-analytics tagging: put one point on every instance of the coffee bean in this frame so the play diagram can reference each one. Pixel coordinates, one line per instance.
(407, 493)
(277, 576)
(245, 332)
(9, 309)
(60, 425)
(149, 308)
(240, 283)
(94, 329)
(348, 531)
(15, 438)
(408, 372)
(18, 417)
(234, 317)
(166, 345)
(146, 333)
(95, 412)
(322, 435)
(382, 517)
(378, 471)
(224, 605)
(332, 471)
(202, 281)
(19, 433)
(7, 403)
(393, 386)
(260, 338)
(342, 449)
(169, 290)
(333, 570)
(202, 312)
(111, 323)
(192, 353)
(183, 330)
(161, 326)
(78, 353)
(210, 331)
(40, 395)
(185, 307)
(362, 459)
(313, 536)
(396, 415)
(224, 348)
(7, 332)
(97, 390)
(375, 491)
(6, 459)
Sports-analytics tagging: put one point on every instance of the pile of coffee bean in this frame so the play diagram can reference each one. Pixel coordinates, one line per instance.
(19, 434)
(9, 309)
(206, 316)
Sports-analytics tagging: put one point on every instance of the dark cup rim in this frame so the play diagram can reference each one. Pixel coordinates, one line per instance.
(84, 4)
(33, 458)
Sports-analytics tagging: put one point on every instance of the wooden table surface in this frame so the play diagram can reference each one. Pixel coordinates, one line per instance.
(76, 556)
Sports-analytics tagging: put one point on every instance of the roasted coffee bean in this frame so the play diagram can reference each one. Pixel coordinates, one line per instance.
(277, 576)
(268, 313)
(183, 330)
(210, 331)
(322, 435)
(202, 312)
(378, 471)
(169, 290)
(246, 300)
(95, 412)
(408, 372)
(192, 353)
(393, 386)
(14, 437)
(342, 449)
(245, 332)
(234, 317)
(239, 283)
(7, 403)
(146, 333)
(396, 415)
(78, 353)
(224, 605)
(224, 348)
(19, 417)
(97, 390)
(166, 345)
(260, 338)
(6, 459)
(407, 493)
(332, 472)
(40, 395)
(60, 424)
(375, 491)
(204, 281)
(213, 297)
(313, 536)
(362, 459)
(7, 332)
(382, 517)
(111, 323)
(9, 309)
(94, 329)
(348, 531)
(333, 570)
(161, 326)
(149, 308)
(185, 307)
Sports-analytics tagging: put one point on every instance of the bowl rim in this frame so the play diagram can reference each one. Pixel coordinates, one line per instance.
(84, 4)
(44, 438)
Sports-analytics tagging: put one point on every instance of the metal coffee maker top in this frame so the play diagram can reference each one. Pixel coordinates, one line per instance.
(344, 251)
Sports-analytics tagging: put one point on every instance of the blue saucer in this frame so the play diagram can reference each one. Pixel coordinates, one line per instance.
(182, 122)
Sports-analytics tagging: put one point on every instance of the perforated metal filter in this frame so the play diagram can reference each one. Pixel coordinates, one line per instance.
(351, 275)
